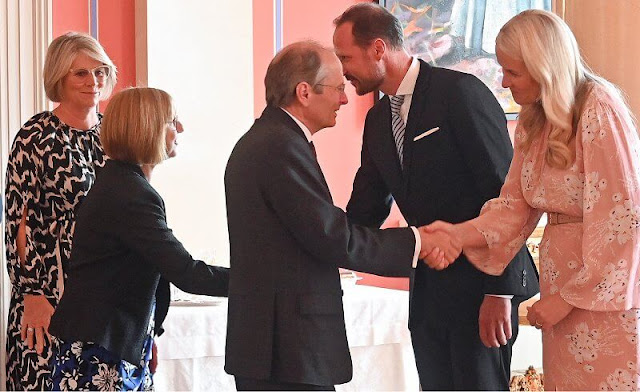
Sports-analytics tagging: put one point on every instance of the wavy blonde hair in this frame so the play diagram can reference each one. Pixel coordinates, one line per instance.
(549, 50)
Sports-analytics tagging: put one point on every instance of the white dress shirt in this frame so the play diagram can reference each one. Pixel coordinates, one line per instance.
(406, 88)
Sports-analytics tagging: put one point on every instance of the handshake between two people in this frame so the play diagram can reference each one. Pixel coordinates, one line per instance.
(441, 244)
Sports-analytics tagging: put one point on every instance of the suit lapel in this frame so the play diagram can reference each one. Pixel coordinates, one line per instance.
(418, 100)
(282, 117)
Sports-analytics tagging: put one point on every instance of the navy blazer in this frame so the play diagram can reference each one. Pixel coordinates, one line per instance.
(123, 257)
(287, 240)
(447, 175)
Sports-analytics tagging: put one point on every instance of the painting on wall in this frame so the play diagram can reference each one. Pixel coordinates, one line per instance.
(460, 35)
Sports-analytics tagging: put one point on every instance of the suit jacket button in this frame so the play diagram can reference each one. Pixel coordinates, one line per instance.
(524, 278)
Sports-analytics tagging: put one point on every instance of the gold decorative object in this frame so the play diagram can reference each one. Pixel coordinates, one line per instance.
(531, 380)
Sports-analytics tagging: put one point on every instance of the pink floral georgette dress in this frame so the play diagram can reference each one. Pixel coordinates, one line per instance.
(593, 264)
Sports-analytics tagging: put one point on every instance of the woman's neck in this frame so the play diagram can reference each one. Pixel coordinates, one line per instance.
(79, 118)
(147, 170)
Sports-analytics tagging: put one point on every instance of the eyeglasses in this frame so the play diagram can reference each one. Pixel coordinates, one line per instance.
(100, 73)
(340, 87)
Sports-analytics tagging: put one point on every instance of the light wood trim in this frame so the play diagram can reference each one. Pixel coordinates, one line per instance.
(141, 42)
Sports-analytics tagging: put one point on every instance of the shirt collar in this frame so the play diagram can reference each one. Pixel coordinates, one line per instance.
(408, 83)
(304, 128)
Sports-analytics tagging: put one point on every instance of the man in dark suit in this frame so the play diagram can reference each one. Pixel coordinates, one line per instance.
(286, 325)
(437, 143)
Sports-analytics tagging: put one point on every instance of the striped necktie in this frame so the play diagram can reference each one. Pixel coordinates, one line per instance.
(397, 124)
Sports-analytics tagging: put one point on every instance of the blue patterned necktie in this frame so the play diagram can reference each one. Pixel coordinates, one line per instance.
(397, 124)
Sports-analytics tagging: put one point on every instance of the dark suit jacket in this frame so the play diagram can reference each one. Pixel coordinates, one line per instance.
(447, 175)
(286, 320)
(123, 254)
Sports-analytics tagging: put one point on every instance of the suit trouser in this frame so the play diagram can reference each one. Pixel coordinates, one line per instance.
(252, 384)
(451, 356)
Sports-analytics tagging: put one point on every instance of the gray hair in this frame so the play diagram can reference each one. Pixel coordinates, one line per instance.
(296, 63)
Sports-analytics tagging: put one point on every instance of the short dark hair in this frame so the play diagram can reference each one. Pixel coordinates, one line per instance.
(372, 21)
(295, 63)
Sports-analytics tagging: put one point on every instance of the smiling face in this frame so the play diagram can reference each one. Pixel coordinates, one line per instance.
(516, 77)
(360, 65)
(324, 104)
(82, 89)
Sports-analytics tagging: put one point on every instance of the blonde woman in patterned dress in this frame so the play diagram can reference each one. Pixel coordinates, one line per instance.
(577, 158)
(51, 167)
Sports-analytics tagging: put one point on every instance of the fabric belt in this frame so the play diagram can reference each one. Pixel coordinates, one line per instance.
(556, 218)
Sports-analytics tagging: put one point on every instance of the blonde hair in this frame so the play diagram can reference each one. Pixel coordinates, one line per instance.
(61, 53)
(134, 126)
(549, 50)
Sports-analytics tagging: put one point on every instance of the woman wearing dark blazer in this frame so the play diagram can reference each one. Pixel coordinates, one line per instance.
(124, 255)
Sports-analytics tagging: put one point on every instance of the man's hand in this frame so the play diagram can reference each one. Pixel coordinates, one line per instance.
(439, 248)
(547, 312)
(495, 321)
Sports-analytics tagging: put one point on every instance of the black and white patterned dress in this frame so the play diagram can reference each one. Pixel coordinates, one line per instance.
(51, 168)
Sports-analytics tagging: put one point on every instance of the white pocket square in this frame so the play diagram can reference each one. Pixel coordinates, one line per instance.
(425, 134)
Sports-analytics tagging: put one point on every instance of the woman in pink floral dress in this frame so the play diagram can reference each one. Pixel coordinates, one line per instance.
(577, 158)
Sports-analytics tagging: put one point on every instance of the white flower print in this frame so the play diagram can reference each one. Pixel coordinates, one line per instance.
(107, 378)
(628, 321)
(76, 349)
(572, 187)
(614, 282)
(619, 380)
(583, 275)
(502, 203)
(70, 381)
(583, 344)
(527, 176)
(539, 196)
(592, 188)
(624, 219)
(589, 126)
(550, 274)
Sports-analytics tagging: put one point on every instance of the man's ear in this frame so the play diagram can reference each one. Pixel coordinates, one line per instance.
(303, 90)
(379, 48)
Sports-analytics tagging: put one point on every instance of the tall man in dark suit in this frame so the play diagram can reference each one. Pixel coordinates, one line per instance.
(286, 325)
(437, 143)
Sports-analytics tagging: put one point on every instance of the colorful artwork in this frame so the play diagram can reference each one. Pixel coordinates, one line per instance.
(460, 35)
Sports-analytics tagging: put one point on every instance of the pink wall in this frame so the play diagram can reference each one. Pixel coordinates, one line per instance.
(116, 32)
(116, 25)
(70, 15)
(263, 49)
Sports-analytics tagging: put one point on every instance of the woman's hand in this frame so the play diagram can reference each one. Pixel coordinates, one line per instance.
(547, 312)
(35, 321)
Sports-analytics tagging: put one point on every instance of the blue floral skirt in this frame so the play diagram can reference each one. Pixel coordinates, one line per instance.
(88, 366)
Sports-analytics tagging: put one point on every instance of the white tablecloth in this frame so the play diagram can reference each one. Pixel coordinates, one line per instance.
(191, 351)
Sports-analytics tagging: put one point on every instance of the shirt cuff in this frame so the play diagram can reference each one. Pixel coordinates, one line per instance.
(416, 251)
(507, 296)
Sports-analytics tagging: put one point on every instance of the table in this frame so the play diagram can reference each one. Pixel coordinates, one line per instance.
(191, 351)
